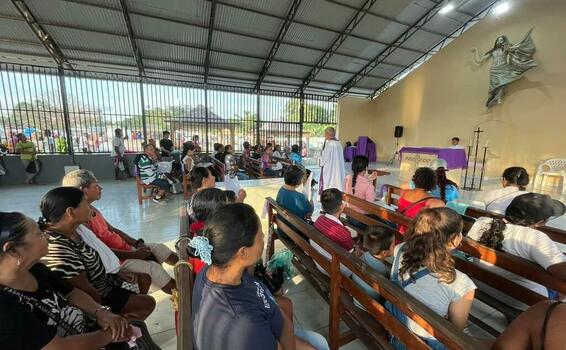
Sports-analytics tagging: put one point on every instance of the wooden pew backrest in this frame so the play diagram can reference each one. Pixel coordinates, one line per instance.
(515, 264)
(442, 329)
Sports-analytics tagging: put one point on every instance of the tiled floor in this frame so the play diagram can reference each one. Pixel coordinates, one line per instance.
(159, 223)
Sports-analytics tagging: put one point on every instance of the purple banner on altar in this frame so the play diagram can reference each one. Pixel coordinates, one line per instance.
(455, 158)
(366, 147)
(349, 153)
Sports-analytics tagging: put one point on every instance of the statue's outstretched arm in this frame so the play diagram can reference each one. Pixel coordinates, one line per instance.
(477, 58)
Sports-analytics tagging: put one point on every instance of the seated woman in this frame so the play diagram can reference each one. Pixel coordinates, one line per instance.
(379, 243)
(360, 184)
(201, 178)
(517, 234)
(289, 198)
(147, 165)
(38, 310)
(232, 309)
(232, 167)
(269, 167)
(63, 210)
(424, 267)
(187, 157)
(413, 201)
(294, 156)
(514, 181)
(445, 189)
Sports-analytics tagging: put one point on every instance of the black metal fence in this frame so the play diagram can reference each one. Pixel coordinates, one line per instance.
(77, 112)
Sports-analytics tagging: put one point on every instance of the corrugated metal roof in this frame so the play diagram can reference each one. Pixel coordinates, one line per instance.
(26, 49)
(275, 7)
(8, 8)
(17, 30)
(88, 55)
(78, 15)
(194, 11)
(238, 43)
(422, 41)
(324, 14)
(299, 54)
(152, 28)
(173, 37)
(303, 35)
(159, 51)
(281, 68)
(88, 40)
(245, 21)
(236, 62)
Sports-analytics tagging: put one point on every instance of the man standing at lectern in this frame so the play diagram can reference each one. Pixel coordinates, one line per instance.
(331, 162)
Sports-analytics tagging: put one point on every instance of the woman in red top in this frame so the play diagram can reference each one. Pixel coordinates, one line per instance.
(413, 201)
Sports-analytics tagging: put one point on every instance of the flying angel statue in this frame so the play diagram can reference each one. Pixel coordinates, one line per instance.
(510, 62)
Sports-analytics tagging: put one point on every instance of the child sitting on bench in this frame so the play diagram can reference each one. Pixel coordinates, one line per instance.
(379, 241)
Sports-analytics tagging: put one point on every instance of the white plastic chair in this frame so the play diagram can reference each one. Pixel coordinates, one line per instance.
(551, 167)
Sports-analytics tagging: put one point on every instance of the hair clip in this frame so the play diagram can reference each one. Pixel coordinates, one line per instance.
(202, 248)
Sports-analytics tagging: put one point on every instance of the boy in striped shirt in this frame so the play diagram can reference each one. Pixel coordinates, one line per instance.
(329, 224)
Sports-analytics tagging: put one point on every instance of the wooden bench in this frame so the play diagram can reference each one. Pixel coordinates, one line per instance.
(254, 168)
(371, 327)
(219, 168)
(392, 198)
(514, 264)
(141, 188)
(184, 278)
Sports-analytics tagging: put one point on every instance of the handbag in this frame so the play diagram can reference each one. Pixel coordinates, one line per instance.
(69, 329)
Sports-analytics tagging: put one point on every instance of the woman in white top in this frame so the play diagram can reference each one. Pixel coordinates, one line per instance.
(424, 267)
(187, 160)
(517, 234)
(514, 181)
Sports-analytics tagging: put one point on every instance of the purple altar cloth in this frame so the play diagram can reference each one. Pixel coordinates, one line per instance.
(366, 147)
(349, 153)
(454, 157)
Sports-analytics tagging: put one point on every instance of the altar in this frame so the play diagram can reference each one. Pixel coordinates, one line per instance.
(416, 157)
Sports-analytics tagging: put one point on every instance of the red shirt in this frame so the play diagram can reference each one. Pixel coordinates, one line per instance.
(99, 226)
(334, 230)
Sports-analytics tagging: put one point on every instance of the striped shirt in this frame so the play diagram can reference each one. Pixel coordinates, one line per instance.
(148, 169)
(69, 258)
(332, 228)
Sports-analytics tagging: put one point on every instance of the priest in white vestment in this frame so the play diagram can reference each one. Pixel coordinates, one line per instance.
(331, 162)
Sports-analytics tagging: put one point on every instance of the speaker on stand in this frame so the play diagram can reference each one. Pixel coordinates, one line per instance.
(398, 134)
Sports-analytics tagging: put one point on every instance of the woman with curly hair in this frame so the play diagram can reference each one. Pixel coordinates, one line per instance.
(424, 267)
(413, 201)
(517, 234)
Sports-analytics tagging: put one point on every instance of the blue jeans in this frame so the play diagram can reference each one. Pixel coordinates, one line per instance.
(313, 338)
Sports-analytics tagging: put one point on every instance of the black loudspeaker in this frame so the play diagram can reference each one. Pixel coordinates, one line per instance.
(398, 131)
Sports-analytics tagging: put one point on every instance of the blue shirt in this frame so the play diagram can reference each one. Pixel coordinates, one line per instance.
(234, 317)
(295, 158)
(294, 201)
(376, 265)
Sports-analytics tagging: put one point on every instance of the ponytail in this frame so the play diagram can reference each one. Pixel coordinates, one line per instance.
(517, 176)
(359, 164)
(442, 181)
(493, 236)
